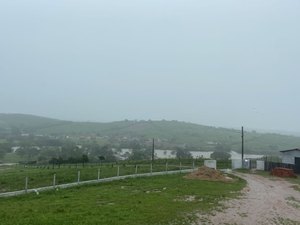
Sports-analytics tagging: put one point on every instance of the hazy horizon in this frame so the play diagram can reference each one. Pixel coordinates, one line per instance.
(216, 63)
(246, 129)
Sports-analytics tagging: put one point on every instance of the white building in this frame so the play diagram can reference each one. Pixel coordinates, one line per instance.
(198, 154)
(290, 156)
(164, 154)
(235, 155)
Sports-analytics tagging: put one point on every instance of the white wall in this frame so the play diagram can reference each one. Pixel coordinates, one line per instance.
(210, 163)
(165, 154)
(235, 155)
(289, 157)
(236, 163)
(260, 165)
(171, 154)
(198, 154)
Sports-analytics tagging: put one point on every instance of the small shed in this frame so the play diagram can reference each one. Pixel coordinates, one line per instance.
(292, 156)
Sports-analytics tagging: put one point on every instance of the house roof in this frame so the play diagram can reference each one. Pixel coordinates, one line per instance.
(290, 150)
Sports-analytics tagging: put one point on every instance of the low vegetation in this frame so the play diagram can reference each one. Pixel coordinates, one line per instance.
(169, 199)
(12, 178)
(294, 181)
(51, 135)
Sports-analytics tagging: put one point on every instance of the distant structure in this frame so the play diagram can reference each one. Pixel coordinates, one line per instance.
(291, 156)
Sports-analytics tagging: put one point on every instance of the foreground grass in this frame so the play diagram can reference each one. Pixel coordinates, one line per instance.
(151, 200)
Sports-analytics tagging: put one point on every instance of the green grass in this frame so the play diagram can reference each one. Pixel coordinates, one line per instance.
(12, 158)
(13, 178)
(151, 200)
(173, 133)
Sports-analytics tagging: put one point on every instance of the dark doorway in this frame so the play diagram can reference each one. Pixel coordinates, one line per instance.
(297, 164)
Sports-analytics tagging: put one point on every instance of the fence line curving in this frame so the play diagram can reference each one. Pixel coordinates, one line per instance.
(102, 180)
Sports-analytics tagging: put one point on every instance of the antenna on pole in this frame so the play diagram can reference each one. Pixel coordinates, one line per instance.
(242, 144)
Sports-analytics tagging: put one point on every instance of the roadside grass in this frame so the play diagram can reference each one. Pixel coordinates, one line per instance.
(294, 181)
(149, 200)
(285, 221)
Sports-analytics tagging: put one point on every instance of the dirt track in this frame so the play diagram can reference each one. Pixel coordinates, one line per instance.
(264, 201)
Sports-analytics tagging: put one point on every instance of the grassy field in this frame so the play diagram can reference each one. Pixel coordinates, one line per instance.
(12, 178)
(169, 199)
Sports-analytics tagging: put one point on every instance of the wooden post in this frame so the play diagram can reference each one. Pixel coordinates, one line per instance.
(193, 164)
(151, 168)
(166, 167)
(118, 171)
(180, 166)
(136, 169)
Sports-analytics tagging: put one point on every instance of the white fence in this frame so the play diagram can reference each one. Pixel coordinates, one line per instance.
(54, 186)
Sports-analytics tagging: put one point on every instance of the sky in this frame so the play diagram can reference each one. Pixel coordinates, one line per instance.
(224, 63)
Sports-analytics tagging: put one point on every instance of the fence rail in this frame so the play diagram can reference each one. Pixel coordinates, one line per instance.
(271, 165)
(54, 186)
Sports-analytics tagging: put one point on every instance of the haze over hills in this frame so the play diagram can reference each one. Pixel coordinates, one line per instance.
(168, 134)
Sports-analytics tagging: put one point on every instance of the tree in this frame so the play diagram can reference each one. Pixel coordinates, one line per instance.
(71, 150)
(221, 152)
(139, 155)
(101, 158)
(84, 159)
(220, 155)
(2, 153)
(104, 151)
(183, 154)
(222, 148)
(29, 153)
(53, 161)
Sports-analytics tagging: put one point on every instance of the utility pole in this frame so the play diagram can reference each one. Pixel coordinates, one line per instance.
(152, 157)
(242, 144)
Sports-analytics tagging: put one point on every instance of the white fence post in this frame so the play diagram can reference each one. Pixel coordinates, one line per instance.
(26, 184)
(74, 183)
(78, 176)
(193, 165)
(54, 180)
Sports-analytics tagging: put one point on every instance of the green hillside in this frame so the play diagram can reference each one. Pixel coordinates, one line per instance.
(26, 123)
(167, 133)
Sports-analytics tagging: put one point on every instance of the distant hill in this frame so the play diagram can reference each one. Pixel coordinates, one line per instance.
(26, 123)
(172, 133)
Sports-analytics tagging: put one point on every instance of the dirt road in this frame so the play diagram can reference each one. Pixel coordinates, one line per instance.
(264, 201)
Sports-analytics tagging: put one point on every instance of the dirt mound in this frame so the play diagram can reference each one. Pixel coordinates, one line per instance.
(205, 173)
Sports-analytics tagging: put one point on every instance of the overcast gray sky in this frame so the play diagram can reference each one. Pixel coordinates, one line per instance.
(214, 62)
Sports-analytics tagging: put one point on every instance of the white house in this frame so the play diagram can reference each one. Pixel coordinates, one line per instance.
(291, 156)
(165, 154)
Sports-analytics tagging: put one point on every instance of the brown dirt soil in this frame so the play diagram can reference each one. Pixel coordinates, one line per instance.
(205, 173)
(264, 201)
